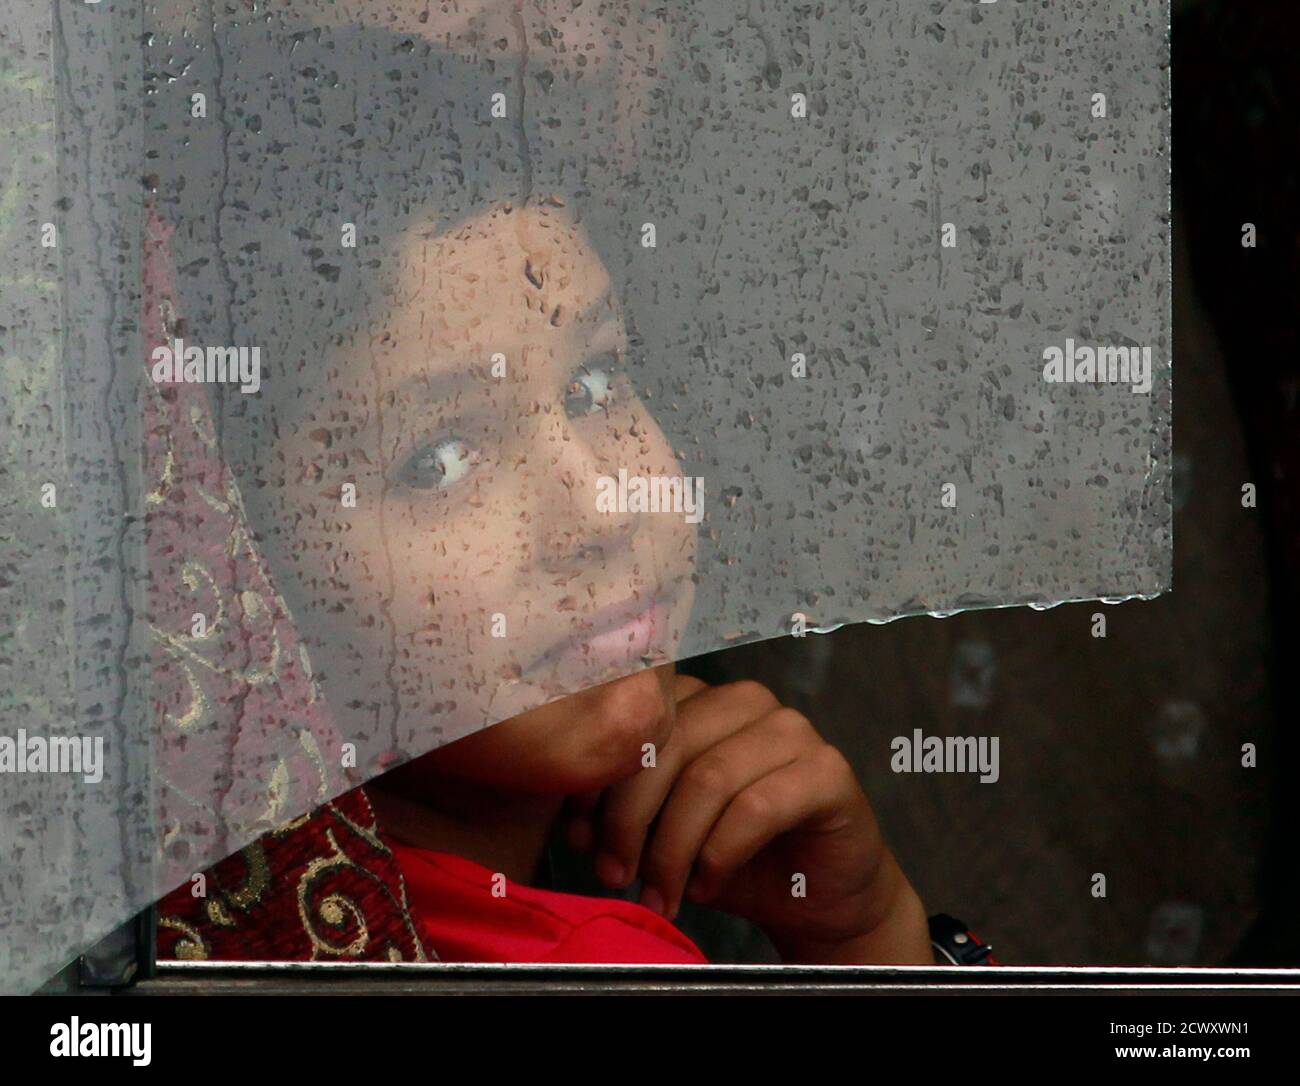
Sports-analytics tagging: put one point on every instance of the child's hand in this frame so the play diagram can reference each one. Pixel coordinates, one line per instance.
(747, 809)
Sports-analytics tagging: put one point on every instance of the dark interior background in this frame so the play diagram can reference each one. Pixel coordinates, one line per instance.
(1123, 755)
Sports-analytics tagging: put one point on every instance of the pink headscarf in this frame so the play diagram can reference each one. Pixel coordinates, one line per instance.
(246, 748)
(244, 737)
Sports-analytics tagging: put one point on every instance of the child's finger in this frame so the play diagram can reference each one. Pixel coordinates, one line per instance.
(704, 789)
(703, 719)
(780, 802)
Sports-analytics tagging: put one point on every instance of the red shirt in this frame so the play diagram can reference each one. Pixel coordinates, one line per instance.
(460, 918)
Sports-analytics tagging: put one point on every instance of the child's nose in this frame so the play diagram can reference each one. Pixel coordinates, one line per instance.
(573, 529)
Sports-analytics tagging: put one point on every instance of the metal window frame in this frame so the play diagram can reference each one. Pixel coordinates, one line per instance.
(124, 963)
(433, 978)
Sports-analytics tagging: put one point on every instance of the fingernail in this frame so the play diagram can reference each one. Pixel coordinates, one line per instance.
(610, 871)
(652, 899)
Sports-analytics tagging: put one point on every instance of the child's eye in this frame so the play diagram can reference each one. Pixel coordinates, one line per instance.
(592, 388)
(438, 465)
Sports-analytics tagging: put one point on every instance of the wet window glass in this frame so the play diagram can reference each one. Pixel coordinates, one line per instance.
(395, 394)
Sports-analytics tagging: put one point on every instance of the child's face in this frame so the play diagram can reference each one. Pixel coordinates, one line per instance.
(475, 577)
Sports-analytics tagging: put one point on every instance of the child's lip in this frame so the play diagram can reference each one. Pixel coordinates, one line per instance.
(622, 633)
(621, 628)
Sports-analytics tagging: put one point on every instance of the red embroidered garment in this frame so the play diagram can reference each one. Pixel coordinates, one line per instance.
(466, 913)
(322, 888)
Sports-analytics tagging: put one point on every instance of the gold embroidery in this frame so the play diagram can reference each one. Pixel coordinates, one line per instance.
(369, 834)
(252, 675)
(198, 701)
(159, 494)
(335, 908)
(218, 914)
(304, 660)
(259, 878)
(309, 744)
(167, 315)
(292, 824)
(202, 425)
(404, 907)
(192, 947)
(276, 790)
(331, 911)
(191, 574)
(409, 924)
